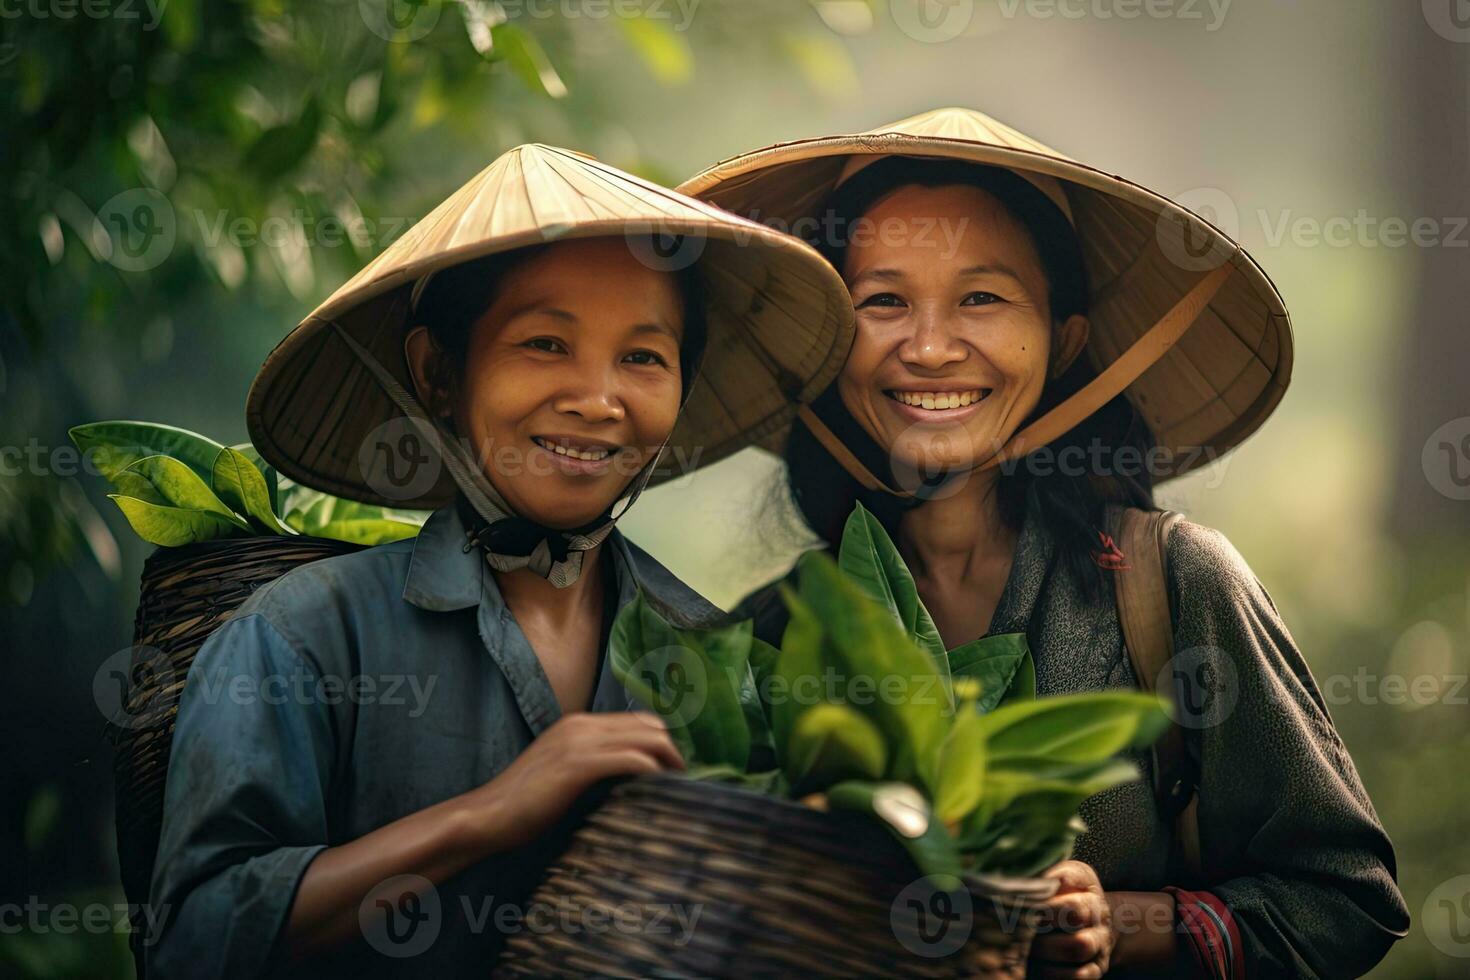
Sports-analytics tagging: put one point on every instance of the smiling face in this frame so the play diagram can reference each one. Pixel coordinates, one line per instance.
(571, 379)
(955, 340)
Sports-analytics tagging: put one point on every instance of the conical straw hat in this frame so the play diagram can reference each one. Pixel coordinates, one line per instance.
(779, 319)
(1209, 377)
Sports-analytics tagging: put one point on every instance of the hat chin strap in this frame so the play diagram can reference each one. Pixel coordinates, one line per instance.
(1110, 382)
(483, 497)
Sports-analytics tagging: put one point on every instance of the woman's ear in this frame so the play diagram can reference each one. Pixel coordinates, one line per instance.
(1067, 343)
(427, 364)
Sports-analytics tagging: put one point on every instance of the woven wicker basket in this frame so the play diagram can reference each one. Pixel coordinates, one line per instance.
(676, 877)
(185, 594)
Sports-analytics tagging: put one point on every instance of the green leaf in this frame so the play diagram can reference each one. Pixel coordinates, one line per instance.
(1076, 727)
(133, 484)
(528, 59)
(832, 743)
(172, 527)
(1023, 682)
(272, 478)
(113, 446)
(179, 486)
(869, 558)
(732, 718)
(798, 665)
(1015, 777)
(367, 532)
(649, 661)
(906, 814)
(279, 150)
(960, 774)
(993, 661)
(690, 678)
(771, 782)
(864, 643)
(242, 486)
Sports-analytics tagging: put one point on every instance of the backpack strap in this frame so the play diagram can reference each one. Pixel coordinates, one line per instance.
(1141, 587)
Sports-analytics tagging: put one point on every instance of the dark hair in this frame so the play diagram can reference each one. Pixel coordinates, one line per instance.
(1071, 503)
(456, 298)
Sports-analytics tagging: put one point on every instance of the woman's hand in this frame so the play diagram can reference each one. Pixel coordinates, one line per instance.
(574, 753)
(1076, 938)
(510, 810)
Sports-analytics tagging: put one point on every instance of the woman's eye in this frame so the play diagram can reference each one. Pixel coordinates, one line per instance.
(548, 344)
(646, 357)
(890, 300)
(980, 299)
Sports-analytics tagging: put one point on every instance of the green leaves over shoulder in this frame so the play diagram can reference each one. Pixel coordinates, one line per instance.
(324, 516)
(168, 504)
(172, 527)
(113, 446)
(242, 486)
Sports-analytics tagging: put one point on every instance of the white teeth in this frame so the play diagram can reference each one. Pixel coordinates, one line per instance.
(938, 400)
(589, 455)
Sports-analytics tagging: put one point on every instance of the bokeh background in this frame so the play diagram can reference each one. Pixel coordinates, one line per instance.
(1332, 139)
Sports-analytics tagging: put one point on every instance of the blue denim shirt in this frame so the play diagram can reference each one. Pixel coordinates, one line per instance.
(349, 693)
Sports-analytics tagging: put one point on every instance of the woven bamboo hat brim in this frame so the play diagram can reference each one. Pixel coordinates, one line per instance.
(1204, 382)
(779, 320)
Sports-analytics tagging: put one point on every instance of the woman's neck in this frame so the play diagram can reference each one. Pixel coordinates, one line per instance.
(523, 590)
(958, 536)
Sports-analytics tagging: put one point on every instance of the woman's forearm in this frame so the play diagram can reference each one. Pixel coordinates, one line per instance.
(435, 843)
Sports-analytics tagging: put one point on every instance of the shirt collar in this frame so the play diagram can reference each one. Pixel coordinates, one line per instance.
(443, 577)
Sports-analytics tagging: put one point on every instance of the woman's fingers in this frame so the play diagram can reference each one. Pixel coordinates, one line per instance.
(1083, 946)
(1072, 912)
(620, 762)
(1073, 943)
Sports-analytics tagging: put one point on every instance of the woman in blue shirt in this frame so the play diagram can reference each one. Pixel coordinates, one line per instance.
(372, 755)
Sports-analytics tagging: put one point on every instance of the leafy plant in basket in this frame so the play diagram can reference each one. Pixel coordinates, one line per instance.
(864, 709)
(177, 487)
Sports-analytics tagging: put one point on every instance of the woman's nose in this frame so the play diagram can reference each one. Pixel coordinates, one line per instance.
(932, 345)
(591, 394)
